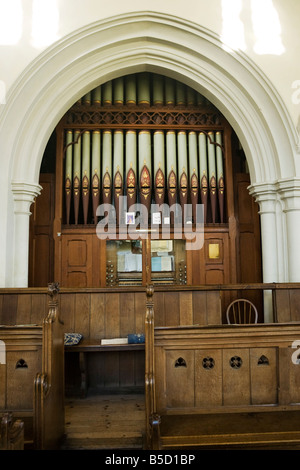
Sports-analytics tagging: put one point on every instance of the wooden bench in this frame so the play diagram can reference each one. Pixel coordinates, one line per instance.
(87, 346)
(221, 386)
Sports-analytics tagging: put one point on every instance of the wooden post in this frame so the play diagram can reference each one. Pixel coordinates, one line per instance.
(150, 401)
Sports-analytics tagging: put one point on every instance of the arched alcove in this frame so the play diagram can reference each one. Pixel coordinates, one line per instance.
(118, 46)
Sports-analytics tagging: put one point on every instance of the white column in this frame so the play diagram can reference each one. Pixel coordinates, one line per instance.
(266, 196)
(289, 191)
(24, 195)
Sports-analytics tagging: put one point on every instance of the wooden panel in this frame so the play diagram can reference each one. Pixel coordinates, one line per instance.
(208, 378)
(186, 308)
(41, 245)
(264, 376)
(200, 307)
(171, 304)
(282, 305)
(295, 304)
(249, 245)
(82, 314)
(236, 377)
(213, 308)
(97, 316)
(294, 379)
(77, 256)
(3, 386)
(20, 385)
(180, 378)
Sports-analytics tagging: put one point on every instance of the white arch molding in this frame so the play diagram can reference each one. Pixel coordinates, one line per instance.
(173, 47)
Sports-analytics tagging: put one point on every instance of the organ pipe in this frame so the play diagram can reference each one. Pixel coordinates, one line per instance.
(130, 89)
(85, 174)
(158, 90)
(182, 170)
(96, 95)
(107, 93)
(159, 166)
(144, 89)
(220, 175)
(96, 168)
(68, 173)
(145, 168)
(171, 170)
(169, 91)
(118, 91)
(107, 167)
(194, 176)
(203, 172)
(76, 173)
(212, 175)
(131, 168)
(118, 170)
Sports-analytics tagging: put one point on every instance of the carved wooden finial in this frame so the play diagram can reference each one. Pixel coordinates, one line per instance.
(149, 292)
(53, 288)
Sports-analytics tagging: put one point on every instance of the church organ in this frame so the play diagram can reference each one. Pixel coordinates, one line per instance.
(145, 146)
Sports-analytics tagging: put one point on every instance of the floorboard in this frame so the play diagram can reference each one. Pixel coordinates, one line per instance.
(105, 422)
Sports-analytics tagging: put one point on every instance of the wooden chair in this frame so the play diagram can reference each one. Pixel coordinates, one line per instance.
(241, 311)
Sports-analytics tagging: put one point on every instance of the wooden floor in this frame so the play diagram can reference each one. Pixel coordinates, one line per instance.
(105, 422)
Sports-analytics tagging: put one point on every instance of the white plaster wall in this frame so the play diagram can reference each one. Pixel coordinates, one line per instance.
(280, 22)
(33, 64)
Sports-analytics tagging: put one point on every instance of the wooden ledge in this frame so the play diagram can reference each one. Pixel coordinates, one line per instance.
(92, 346)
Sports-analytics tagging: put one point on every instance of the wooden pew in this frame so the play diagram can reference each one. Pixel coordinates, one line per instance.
(32, 372)
(22, 360)
(11, 433)
(49, 395)
(221, 386)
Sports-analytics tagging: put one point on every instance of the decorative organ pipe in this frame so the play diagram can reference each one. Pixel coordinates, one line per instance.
(203, 172)
(131, 168)
(171, 170)
(96, 171)
(76, 174)
(220, 175)
(85, 174)
(107, 167)
(182, 170)
(122, 163)
(194, 175)
(159, 166)
(118, 170)
(144, 152)
(212, 175)
(68, 173)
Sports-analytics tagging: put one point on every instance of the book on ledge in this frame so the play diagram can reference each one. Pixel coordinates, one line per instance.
(114, 341)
